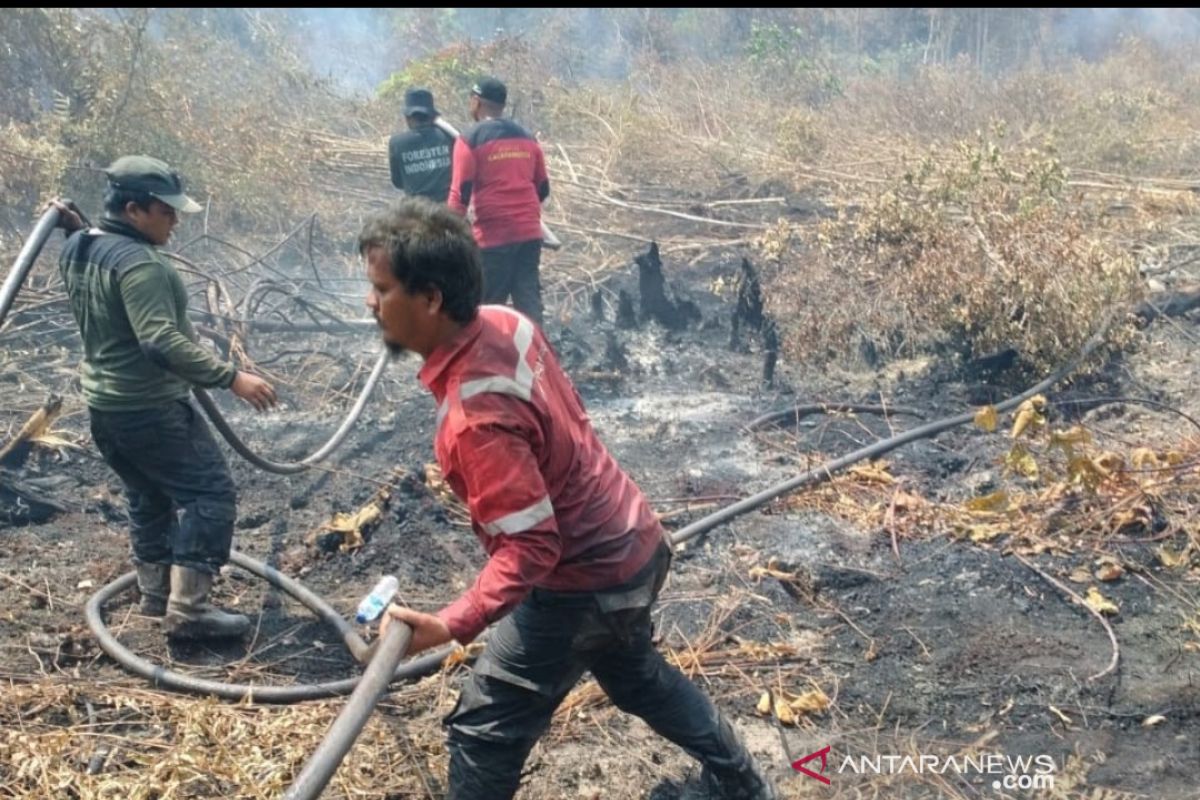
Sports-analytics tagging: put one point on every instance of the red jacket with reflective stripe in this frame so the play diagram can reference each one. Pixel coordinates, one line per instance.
(547, 500)
(501, 169)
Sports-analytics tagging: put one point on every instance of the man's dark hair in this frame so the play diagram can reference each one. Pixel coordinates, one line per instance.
(429, 246)
(115, 200)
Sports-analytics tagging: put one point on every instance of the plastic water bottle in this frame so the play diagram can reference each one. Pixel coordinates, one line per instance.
(374, 603)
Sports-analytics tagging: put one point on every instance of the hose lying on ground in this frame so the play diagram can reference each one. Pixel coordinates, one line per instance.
(168, 679)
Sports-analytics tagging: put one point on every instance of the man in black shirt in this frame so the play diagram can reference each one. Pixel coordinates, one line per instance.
(420, 157)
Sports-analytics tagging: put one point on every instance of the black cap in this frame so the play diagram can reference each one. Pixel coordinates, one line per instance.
(146, 174)
(419, 101)
(492, 90)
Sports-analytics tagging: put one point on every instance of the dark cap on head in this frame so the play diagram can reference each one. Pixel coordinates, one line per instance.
(419, 101)
(491, 90)
(146, 174)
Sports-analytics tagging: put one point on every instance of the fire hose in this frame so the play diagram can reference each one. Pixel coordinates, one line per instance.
(384, 667)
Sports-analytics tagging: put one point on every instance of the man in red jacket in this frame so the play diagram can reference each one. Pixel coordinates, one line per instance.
(499, 167)
(576, 555)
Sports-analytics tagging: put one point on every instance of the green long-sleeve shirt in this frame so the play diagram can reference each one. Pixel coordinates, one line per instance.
(139, 347)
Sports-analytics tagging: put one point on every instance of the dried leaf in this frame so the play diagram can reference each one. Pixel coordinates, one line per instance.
(987, 419)
(1108, 569)
(810, 702)
(874, 473)
(996, 501)
(784, 712)
(1099, 602)
(1110, 463)
(1083, 470)
(985, 533)
(1170, 558)
(1144, 458)
(764, 704)
(1152, 720)
(1029, 414)
(1068, 439)
(1022, 462)
(1080, 575)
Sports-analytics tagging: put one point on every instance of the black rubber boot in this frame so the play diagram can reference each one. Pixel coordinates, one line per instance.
(154, 585)
(189, 614)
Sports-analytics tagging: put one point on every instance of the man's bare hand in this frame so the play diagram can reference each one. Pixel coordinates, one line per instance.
(428, 630)
(68, 218)
(254, 390)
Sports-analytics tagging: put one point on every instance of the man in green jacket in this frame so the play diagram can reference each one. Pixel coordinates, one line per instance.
(140, 360)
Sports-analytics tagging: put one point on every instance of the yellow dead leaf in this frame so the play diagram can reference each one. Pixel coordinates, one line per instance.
(984, 533)
(986, 418)
(1136, 517)
(1083, 470)
(1109, 572)
(1144, 458)
(1152, 720)
(810, 702)
(1110, 463)
(764, 704)
(1080, 575)
(1029, 414)
(996, 501)
(1173, 458)
(1022, 462)
(1099, 602)
(875, 473)
(1068, 439)
(1170, 558)
(784, 712)
(904, 500)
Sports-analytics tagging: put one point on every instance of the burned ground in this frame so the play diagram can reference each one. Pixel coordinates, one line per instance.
(923, 642)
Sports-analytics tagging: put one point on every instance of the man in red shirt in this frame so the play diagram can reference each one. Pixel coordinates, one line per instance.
(576, 555)
(499, 167)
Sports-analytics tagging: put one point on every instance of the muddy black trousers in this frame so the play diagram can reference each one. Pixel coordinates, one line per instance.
(512, 269)
(537, 654)
(181, 498)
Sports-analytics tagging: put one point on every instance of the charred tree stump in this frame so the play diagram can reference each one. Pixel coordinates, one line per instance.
(597, 306)
(749, 309)
(626, 316)
(770, 335)
(654, 302)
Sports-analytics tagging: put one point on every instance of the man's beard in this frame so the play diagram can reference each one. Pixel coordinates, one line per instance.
(396, 350)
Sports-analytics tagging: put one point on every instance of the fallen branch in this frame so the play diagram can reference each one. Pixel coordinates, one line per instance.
(37, 424)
